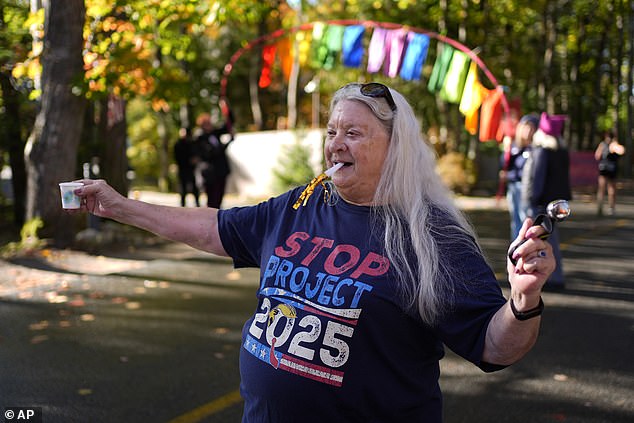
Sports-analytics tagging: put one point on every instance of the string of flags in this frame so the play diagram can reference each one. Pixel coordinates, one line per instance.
(396, 53)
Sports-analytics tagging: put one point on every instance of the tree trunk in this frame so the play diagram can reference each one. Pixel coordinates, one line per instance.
(577, 120)
(550, 37)
(51, 149)
(36, 39)
(291, 97)
(112, 135)
(443, 132)
(629, 133)
(15, 144)
(596, 88)
(254, 97)
(617, 69)
(163, 151)
(254, 75)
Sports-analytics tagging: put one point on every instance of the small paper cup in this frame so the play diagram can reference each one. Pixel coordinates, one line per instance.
(69, 199)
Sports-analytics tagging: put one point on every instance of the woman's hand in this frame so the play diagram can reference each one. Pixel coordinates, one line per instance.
(99, 198)
(534, 261)
(508, 338)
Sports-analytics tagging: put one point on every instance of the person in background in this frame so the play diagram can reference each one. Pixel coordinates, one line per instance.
(515, 157)
(546, 177)
(215, 168)
(186, 159)
(365, 281)
(607, 155)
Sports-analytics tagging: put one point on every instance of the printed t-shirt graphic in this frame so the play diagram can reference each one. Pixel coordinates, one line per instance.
(311, 288)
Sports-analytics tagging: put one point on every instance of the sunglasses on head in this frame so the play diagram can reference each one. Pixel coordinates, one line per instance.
(376, 90)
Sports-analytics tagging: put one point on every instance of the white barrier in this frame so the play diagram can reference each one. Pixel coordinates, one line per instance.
(254, 155)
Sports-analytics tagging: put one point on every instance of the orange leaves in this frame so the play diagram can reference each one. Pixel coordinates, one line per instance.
(119, 55)
(159, 104)
(112, 24)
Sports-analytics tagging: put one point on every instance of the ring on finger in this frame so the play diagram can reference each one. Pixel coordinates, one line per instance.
(541, 253)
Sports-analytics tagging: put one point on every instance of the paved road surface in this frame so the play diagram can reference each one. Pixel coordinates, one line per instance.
(151, 333)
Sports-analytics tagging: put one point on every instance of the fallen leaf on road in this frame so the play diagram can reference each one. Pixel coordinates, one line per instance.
(77, 302)
(39, 325)
(133, 305)
(233, 275)
(38, 339)
(55, 298)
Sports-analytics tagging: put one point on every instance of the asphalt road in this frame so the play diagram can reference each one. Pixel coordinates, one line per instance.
(152, 333)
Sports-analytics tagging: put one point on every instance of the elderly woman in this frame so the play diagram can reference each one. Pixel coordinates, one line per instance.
(363, 284)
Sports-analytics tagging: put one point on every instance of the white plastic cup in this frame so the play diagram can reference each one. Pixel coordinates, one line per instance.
(70, 200)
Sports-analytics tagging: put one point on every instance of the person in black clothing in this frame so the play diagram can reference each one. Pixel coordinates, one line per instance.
(215, 167)
(607, 155)
(186, 158)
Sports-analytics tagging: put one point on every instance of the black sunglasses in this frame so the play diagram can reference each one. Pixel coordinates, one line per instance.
(376, 90)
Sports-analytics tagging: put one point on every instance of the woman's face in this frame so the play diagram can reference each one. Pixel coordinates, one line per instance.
(524, 134)
(356, 137)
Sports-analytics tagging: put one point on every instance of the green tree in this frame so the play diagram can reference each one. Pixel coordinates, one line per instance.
(167, 58)
(14, 47)
(294, 167)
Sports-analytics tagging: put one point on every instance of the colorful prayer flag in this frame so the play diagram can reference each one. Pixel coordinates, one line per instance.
(472, 95)
(490, 114)
(286, 57)
(395, 44)
(334, 42)
(453, 84)
(318, 49)
(415, 56)
(439, 71)
(376, 51)
(268, 58)
(352, 50)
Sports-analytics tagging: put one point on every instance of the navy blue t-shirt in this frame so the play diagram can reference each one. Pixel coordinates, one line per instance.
(331, 339)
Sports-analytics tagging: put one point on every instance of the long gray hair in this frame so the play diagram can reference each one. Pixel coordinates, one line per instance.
(409, 193)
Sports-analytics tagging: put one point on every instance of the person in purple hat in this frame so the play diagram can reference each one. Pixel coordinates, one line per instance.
(545, 178)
